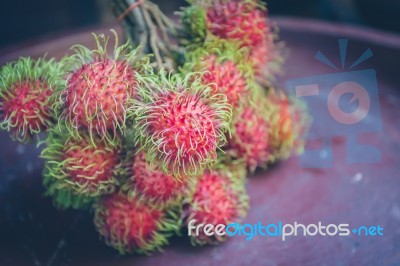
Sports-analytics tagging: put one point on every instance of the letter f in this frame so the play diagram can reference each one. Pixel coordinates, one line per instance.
(191, 226)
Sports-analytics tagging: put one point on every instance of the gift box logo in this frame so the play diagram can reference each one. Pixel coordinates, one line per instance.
(341, 104)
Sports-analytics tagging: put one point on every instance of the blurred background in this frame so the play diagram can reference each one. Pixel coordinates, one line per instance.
(36, 19)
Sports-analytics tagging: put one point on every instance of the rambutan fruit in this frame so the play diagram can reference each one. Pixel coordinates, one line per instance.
(25, 89)
(180, 124)
(267, 60)
(98, 88)
(152, 185)
(289, 124)
(224, 67)
(77, 171)
(245, 22)
(250, 136)
(217, 199)
(131, 225)
(224, 78)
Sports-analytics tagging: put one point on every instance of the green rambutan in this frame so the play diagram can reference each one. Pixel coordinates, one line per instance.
(25, 89)
(180, 124)
(77, 171)
(152, 185)
(217, 199)
(98, 88)
(128, 224)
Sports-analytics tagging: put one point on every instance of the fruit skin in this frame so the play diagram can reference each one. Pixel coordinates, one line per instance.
(25, 89)
(98, 88)
(219, 197)
(179, 123)
(76, 171)
(290, 123)
(225, 68)
(152, 185)
(130, 225)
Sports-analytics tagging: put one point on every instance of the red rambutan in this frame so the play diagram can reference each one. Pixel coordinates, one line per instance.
(153, 185)
(25, 89)
(224, 67)
(180, 124)
(250, 137)
(98, 88)
(289, 124)
(77, 170)
(129, 225)
(245, 22)
(217, 199)
(224, 78)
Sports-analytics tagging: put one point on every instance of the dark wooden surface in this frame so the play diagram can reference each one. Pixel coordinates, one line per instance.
(32, 232)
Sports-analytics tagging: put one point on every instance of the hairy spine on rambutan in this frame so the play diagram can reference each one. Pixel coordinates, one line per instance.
(179, 123)
(225, 68)
(25, 89)
(290, 122)
(99, 87)
(235, 170)
(77, 171)
(151, 184)
(131, 225)
(216, 199)
(194, 22)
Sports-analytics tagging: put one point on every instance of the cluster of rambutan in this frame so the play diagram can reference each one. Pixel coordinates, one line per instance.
(148, 150)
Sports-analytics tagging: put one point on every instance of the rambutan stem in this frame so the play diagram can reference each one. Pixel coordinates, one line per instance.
(133, 22)
(148, 27)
